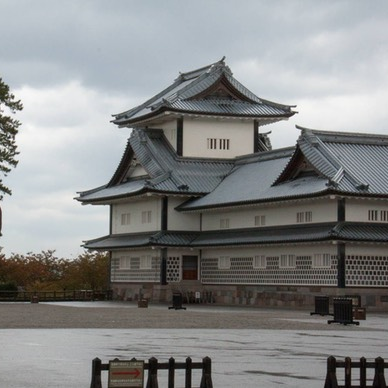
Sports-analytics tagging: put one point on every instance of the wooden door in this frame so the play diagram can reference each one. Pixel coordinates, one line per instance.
(189, 267)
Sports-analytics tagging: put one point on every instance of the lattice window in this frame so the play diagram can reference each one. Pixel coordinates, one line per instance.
(242, 272)
(173, 269)
(367, 271)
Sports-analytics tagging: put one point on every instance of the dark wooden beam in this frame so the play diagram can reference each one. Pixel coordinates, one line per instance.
(179, 137)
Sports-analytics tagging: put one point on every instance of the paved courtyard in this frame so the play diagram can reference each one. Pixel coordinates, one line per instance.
(52, 345)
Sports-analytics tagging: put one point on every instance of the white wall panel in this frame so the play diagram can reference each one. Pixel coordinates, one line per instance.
(197, 131)
(135, 209)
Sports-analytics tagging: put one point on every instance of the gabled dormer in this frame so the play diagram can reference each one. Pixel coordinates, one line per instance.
(318, 154)
(208, 113)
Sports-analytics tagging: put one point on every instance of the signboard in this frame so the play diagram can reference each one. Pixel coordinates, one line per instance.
(126, 374)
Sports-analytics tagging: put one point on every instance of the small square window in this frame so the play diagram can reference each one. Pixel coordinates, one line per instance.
(125, 218)
(260, 220)
(224, 223)
(125, 262)
(146, 262)
(146, 217)
(260, 261)
(287, 261)
(224, 262)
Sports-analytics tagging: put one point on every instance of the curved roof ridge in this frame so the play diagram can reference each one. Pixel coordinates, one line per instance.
(195, 73)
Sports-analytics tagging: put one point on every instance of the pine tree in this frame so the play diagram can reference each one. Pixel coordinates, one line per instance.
(8, 131)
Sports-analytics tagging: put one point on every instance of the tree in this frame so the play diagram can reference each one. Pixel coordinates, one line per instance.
(8, 131)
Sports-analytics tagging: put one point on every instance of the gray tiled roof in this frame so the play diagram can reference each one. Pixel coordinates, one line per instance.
(243, 237)
(185, 96)
(164, 238)
(167, 173)
(344, 163)
(117, 241)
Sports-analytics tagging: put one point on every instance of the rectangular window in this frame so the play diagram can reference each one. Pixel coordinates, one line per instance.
(259, 220)
(322, 260)
(146, 217)
(384, 215)
(224, 223)
(260, 261)
(302, 217)
(224, 262)
(211, 144)
(221, 144)
(224, 144)
(125, 219)
(373, 215)
(146, 262)
(287, 261)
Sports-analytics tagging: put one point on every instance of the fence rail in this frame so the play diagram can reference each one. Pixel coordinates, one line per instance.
(376, 378)
(51, 296)
(153, 366)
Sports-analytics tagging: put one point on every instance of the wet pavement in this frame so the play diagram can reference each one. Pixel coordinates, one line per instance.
(240, 357)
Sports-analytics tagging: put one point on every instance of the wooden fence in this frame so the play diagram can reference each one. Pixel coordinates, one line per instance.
(52, 296)
(153, 366)
(361, 379)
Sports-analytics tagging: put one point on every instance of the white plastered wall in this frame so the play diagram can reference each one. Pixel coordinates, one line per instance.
(135, 209)
(181, 221)
(281, 214)
(170, 131)
(357, 209)
(197, 131)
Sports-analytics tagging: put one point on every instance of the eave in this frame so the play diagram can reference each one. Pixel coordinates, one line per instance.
(163, 113)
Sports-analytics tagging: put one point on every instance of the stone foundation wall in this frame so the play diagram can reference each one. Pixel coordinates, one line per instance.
(374, 299)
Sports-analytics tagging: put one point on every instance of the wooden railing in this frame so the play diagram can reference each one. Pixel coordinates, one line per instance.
(376, 378)
(153, 366)
(50, 296)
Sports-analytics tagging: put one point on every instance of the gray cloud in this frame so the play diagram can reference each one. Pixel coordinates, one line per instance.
(75, 63)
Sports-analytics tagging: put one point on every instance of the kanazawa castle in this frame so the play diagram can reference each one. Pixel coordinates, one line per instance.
(200, 202)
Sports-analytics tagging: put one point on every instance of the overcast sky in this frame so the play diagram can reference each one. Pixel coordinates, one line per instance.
(75, 63)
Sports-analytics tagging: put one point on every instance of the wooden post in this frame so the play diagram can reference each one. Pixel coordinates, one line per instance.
(348, 372)
(152, 381)
(379, 379)
(362, 372)
(206, 381)
(96, 374)
(188, 374)
(171, 373)
(331, 377)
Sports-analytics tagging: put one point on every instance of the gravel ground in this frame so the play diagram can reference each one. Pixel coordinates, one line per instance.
(114, 315)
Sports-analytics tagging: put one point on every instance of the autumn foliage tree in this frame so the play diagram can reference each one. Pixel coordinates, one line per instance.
(46, 272)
